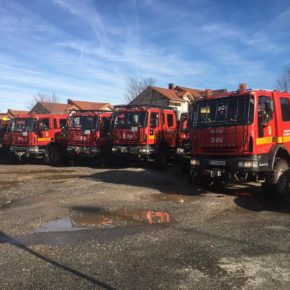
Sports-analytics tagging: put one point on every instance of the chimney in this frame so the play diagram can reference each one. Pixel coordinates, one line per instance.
(208, 92)
(69, 101)
(171, 86)
(243, 87)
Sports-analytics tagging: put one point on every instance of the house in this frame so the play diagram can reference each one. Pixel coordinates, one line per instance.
(13, 113)
(58, 108)
(177, 97)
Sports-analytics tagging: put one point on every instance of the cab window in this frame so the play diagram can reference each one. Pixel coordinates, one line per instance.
(62, 123)
(285, 109)
(44, 124)
(170, 122)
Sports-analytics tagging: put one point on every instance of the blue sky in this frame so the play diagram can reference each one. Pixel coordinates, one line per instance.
(87, 49)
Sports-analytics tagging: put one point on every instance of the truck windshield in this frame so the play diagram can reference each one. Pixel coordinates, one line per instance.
(127, 120)
(23, 125)
(84, 122)
(230, 110)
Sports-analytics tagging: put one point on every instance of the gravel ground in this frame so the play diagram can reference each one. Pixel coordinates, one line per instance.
(137, 228)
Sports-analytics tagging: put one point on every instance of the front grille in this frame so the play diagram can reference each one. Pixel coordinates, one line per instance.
(219, 149)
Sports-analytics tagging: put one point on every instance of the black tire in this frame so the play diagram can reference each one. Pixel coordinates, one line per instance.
(54, 156)
(277, 181)
(161, 158)
(185, 165)
(199, 180)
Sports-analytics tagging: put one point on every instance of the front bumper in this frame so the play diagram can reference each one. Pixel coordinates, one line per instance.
(136, 152)
(78, 150)
(32, 150)
(216, 167)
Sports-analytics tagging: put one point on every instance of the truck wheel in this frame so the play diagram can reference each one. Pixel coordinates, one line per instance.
(54, 155)
(198, 180)
(161, 158)
(185, 165)
(277, 181)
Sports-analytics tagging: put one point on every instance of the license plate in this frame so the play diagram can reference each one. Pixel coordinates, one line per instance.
(217, 162)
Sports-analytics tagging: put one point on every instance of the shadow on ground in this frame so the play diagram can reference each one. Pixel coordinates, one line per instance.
(7, 239)
(168, 181)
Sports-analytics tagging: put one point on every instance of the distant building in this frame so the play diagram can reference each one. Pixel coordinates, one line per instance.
(58, 108)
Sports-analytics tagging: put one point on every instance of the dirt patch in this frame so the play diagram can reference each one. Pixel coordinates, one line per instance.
(4, 201)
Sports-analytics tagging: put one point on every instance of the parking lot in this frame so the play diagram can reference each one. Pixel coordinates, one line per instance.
(137, 228)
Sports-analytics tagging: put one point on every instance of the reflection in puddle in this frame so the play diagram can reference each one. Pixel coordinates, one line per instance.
(101, 220)
(61, 225)
(176, 198)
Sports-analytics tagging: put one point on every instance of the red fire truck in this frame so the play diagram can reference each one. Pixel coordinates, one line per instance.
(184, 143)
(86, 136)
(30, 135)
(240, 136)
(144, 132)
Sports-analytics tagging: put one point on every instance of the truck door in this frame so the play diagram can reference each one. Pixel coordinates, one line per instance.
(44, 128)
(154, 130)
(266, 125)
(170, 128)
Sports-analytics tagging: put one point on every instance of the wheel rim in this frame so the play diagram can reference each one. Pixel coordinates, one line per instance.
(282, 179)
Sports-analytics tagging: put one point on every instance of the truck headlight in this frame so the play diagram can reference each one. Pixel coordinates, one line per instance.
(180, 151)
(194, 162)
(248, 164)
(114, 149)
(144, 150)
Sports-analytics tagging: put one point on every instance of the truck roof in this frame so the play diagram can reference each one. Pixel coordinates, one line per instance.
(241, 92)
(39, 116)
(140, 107)
(90, 113)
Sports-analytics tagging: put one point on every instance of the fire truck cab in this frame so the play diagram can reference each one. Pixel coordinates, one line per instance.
(30, 135)
(86, 136)
(144, 132)
(4, 123)
(242, 136)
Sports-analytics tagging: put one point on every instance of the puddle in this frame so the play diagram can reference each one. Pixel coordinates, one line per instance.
(61, 225)
(4, 201)
(176, 198)
(243, 194)
(102, 220)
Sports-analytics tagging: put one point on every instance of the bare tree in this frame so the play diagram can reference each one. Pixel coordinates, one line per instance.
(283, 83)
(41, 98)
(135, 87)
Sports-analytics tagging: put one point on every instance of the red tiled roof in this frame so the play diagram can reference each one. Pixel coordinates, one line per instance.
(177, 93)
(16, 112)
(55, 108)
(90, 105)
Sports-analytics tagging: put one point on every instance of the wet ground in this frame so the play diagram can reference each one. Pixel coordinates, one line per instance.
(137, 228)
